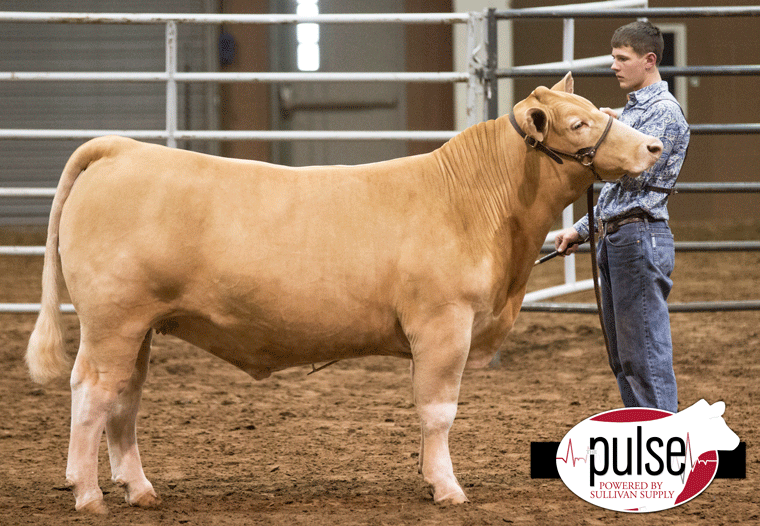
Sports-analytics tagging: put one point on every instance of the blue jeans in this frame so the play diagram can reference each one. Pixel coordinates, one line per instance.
(635, 264)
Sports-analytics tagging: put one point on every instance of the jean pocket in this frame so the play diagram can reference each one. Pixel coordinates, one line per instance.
(663, 251)
(622, 238)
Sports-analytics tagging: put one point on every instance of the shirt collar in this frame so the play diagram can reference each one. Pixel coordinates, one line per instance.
(647, 93)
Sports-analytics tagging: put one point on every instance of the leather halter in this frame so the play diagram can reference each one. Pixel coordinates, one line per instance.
(584, 156)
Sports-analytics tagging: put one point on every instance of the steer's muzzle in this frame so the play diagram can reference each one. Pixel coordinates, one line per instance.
(655, 148)
(648, 153)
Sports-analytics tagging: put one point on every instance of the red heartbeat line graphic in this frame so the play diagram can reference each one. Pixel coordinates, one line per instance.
(569, 454)
(691, 460)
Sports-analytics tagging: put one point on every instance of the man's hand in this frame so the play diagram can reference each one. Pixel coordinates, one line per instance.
(609, 111)
(564, 240)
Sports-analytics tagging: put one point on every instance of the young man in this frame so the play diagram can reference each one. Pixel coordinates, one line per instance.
(635, 250)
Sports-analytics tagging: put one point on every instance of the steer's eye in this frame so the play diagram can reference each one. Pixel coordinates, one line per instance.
(578, 125)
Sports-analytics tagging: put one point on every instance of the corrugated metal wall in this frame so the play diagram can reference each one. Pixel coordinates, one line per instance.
(90, 105)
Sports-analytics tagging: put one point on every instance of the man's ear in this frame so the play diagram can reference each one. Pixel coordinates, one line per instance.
(566, 84)
(651, 60)
(535, 124)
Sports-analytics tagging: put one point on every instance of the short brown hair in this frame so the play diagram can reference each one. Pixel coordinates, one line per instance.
(642, 37)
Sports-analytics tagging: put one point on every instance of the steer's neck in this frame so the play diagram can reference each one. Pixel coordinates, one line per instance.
(557, 187)
(500, 185)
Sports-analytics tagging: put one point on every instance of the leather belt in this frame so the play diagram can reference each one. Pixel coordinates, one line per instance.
(613, 225)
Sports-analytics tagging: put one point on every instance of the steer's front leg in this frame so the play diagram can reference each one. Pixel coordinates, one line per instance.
(440, 348)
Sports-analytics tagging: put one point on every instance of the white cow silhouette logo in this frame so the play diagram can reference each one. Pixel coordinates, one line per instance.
(707, 422)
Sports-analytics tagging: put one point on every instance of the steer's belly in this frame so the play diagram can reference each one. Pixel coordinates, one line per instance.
(260, 348)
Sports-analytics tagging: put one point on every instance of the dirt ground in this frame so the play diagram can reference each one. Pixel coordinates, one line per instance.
(339, 447)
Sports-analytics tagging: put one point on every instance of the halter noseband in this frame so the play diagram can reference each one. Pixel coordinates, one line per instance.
(584, 156)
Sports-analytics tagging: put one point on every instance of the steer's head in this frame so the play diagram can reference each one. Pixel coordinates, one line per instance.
(569, 123)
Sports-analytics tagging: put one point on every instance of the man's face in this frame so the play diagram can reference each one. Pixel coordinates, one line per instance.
(630, 68)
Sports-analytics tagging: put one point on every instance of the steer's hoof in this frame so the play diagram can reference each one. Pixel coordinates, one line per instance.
(148, 499)
(453, 498)
(95, 507)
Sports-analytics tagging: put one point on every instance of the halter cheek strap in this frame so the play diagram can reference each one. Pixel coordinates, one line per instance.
(533, 143)
(584, 156)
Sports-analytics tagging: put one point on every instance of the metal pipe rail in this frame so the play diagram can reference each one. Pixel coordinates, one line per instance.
(697, 306)
(724, 129)
(578, 11)
(218, 19)
(681, 188)
(31, 308)
(231, 135)
(264, 77)
(749, 187)
(22, 251)
(680, 71)
(28, 192)
(706, 188)
(680, 246)
(268, 135)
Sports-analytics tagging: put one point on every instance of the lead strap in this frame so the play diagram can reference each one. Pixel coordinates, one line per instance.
(595, 268)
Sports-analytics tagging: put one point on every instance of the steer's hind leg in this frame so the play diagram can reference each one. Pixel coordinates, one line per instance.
(101, 372)
(126, 468)
(422, 437)
(440, 346)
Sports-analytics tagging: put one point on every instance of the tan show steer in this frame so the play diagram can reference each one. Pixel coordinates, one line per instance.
(268, 267)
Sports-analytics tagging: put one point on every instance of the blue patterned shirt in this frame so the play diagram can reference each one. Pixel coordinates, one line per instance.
(655, 111)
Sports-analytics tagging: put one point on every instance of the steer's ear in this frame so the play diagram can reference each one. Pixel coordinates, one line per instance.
(566, 84)
(536, 123)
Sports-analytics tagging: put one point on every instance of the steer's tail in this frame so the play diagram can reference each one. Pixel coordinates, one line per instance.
(45, 355)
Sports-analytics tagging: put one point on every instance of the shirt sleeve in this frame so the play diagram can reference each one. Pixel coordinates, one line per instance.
(581, 226)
